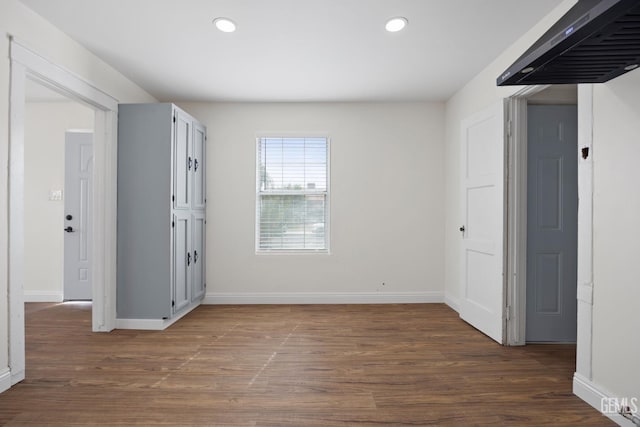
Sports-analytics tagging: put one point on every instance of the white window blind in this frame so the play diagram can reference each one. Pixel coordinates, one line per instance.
(292, 195)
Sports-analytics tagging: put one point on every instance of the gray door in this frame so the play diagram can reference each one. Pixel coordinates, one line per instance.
(552, 218)
(77, 210)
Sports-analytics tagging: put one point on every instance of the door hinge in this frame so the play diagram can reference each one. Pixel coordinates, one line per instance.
(174, 119)
(173, 224)
(509, 127)
(173, 303)
(508, 313)
(173, 198)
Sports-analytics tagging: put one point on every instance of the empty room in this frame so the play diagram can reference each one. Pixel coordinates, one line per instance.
(328, 213)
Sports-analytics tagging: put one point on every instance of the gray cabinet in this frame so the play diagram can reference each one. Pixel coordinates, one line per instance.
(161, 215)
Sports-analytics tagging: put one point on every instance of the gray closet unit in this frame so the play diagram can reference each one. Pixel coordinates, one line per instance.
(161, 215)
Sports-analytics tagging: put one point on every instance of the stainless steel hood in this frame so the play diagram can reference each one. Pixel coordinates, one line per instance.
(594, 42)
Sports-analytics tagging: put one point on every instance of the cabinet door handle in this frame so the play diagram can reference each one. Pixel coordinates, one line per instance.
(195, 165)
(190, 161)
(188, 259)
(195, 257)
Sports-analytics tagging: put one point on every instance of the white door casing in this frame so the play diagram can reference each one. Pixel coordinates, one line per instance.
(482, 223)
(78, 216)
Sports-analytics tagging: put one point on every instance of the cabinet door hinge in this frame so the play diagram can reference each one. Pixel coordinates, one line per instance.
(173, 224)
(174, 118)
(173, 303)
(173, 198)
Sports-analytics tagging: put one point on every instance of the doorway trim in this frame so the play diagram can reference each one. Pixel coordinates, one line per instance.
(517, 223)
(27, 64)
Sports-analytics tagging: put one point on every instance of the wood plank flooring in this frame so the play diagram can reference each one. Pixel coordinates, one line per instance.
(313, 365)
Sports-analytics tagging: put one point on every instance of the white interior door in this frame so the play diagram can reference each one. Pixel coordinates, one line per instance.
(482, 226)
(77, 222)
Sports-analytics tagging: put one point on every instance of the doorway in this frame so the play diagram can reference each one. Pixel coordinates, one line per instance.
(552, 221)
(516, 259)
(49, 182)
(26, 64)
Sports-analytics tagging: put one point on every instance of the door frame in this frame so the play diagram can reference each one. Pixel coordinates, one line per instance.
(517, 223)
(27, 64)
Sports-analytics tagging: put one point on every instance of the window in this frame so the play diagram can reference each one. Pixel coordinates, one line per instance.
(292, 188)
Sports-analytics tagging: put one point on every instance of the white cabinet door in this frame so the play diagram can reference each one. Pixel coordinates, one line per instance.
(183, 161)
(182, 260)
(482, 227)
(199, 260)
(199, 175)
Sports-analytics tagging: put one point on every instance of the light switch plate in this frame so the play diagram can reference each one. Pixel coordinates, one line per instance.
(55, 195)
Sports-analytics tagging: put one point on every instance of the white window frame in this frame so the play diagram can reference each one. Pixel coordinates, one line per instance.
(327, 215)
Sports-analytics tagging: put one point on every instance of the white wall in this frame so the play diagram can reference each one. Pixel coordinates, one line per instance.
(44, 142)
(616, 109)
(616, 248)
(480, 93)
(386, 196)
(35, 32)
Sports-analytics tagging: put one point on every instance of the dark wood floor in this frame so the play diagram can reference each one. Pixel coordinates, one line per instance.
(321, 365)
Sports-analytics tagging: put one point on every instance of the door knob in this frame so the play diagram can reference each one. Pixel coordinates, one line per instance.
(462, 229)
(69, 229)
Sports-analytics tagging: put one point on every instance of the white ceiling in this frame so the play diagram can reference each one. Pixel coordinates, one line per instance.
(296, 50)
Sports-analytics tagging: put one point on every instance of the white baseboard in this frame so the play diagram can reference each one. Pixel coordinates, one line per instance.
(452, 301)
(593, 394)
(324, 298)
(43, 296)
(151, 324)
(5, 380)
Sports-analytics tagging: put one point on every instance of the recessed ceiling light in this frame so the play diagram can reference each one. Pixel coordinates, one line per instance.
(631, 67)
(527, 70)
(396, 24)
(225, 25)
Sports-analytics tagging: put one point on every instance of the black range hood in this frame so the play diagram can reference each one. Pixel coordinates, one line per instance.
(594, 42)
